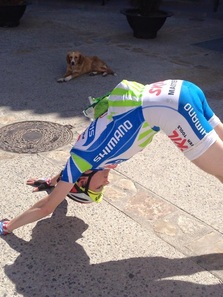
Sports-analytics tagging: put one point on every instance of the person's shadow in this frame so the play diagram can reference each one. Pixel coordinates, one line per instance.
(53, 264)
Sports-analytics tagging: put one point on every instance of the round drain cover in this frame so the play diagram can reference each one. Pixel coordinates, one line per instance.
(34, 136)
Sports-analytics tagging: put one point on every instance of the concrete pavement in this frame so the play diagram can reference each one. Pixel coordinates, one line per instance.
(158, 231)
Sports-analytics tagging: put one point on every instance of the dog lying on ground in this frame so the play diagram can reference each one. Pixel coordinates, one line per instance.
(78, 64)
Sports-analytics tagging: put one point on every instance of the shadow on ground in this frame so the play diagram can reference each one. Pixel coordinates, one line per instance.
(52, 263)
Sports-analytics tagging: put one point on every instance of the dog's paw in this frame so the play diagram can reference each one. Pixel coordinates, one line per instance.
(60, 80)
(68, 78)
(93, 73)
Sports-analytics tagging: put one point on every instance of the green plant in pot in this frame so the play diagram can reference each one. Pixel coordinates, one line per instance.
(11, 11)
(145, 17)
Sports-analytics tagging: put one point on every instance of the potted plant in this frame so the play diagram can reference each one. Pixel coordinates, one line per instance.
(145, 17)
(11, 12)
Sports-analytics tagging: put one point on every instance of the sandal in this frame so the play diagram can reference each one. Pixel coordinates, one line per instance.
(3, 227)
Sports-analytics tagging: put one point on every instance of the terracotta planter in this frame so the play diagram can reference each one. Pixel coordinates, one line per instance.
(10, 15)
(145, 26)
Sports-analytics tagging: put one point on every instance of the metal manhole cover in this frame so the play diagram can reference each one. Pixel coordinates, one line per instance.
(34, 136)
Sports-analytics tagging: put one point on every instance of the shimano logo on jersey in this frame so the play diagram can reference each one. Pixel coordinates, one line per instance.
(118, 134)
(172, 87)
(193, 116)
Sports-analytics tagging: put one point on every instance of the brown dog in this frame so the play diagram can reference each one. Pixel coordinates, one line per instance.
(78, 64)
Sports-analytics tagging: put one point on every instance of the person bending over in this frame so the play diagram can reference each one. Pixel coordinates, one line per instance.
(127, 118)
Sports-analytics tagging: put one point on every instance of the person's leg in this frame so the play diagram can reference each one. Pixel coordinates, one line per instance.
(211, 161)
(219, 130)
(207, 153)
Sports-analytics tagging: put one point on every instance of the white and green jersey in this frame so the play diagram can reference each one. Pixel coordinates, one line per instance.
(135, 114)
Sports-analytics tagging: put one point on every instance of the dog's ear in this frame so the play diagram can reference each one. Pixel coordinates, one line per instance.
(80, 59)
(68, 58)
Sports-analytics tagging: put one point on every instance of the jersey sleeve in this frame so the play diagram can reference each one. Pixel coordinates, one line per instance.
(74, 167)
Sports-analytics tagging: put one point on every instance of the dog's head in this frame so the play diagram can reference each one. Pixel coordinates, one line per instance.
(74, 58)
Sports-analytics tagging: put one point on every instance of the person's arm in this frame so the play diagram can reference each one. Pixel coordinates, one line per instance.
(42, 208)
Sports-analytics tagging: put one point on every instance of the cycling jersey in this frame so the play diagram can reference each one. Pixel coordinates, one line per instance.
(135, 114)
